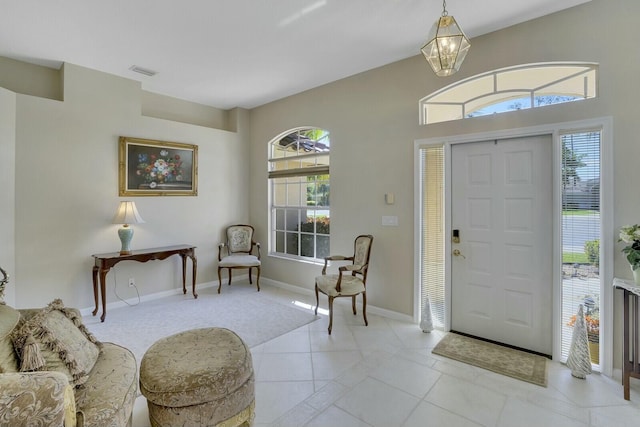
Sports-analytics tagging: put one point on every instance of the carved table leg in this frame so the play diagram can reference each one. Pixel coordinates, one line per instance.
(184, 272)
(103, 292)
(95, 288)
(194, 262)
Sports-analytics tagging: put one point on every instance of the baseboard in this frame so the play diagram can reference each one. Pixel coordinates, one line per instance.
(389, 314)
(149, 297)
(288, 287)
(617, 375)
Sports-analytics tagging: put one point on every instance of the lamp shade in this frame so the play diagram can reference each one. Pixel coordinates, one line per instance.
(447, 46)
(127, 213)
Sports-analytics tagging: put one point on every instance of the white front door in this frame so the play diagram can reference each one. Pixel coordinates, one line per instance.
(501, 278)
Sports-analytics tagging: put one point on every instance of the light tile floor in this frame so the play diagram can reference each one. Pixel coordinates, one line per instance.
(385, 375)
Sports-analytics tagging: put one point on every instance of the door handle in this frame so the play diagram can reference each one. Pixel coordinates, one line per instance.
(456, 252)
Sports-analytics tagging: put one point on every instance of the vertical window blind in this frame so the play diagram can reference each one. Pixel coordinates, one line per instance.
(581, 236)
(432, 233)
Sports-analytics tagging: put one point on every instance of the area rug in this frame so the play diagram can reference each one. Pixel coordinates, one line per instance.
(254, 316)
(493, 357)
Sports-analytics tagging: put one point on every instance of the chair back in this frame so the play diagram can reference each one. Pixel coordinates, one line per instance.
(361, 253)
(240, 238)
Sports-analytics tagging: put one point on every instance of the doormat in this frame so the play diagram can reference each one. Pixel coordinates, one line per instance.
(497, 358)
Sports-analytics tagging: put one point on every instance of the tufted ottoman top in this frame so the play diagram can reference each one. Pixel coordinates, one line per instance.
(194, 367)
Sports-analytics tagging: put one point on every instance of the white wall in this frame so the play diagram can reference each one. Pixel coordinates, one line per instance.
(7, 183)
(177, 110)
(30, 79)
(66, 186)
(373, 120)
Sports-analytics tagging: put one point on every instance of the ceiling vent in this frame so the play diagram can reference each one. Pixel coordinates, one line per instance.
(140, 70)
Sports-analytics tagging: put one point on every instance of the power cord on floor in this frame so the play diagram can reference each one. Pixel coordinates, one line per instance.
(115, 291)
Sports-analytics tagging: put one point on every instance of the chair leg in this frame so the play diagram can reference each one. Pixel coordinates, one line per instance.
(250, 281)
(364, 308)
(257, 279)
(330, 314)
(353, 304)
(230, 270)
(219, 279)
(317, 299)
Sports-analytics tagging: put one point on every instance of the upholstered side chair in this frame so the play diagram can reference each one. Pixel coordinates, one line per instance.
(350, 281)
(238, 252)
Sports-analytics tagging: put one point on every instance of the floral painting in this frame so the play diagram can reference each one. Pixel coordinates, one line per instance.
(157, 168)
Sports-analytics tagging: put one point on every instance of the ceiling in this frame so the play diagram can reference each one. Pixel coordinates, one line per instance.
(241, 53)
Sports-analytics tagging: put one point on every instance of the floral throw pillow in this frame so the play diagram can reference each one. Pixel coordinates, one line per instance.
(55, 339)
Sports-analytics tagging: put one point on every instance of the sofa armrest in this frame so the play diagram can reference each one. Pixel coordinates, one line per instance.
(36, 398)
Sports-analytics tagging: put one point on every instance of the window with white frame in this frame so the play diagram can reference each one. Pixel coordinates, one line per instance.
(581, 230)
(299, 193)
(510, 89)
(432, 224)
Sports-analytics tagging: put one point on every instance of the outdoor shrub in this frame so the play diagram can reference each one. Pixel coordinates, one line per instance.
(592, 249)
(322, 225)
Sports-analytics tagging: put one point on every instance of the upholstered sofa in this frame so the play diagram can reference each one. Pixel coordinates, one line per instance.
(53, 372)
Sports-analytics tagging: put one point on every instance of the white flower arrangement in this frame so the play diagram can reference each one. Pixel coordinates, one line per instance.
(631, 234)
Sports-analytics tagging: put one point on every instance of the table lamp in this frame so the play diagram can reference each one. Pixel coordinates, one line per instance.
(126, 214)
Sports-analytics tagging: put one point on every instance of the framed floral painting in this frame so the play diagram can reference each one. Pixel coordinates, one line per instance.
(157, 168)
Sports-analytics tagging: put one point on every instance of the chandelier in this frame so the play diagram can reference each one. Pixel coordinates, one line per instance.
(447, 45)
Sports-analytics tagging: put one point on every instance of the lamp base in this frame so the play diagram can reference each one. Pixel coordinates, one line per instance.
(126, 234)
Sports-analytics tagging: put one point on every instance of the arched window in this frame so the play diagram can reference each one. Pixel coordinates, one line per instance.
(299, 193)
(509, 89)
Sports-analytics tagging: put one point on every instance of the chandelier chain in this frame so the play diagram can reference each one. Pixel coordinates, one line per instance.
(444, 8)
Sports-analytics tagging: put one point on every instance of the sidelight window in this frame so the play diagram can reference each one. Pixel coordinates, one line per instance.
(581, 236)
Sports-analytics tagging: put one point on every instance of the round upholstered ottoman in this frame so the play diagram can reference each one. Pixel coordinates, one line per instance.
(201, 377)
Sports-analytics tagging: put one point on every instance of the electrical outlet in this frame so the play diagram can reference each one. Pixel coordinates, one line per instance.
(132, 282)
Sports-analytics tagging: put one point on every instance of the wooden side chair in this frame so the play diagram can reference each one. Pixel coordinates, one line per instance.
(344, 284)
(237, 252)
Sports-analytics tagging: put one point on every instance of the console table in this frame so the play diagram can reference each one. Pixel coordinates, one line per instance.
(631, 338)
(104, 262)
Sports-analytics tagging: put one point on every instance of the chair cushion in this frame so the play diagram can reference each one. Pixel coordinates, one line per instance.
(239, 261)
(361, 255)
(350, 285)
(9, 318)
(55, 339)
(239, 238)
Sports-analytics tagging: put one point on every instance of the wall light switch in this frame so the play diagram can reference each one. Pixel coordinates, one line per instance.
(389, 198)
(390, 221)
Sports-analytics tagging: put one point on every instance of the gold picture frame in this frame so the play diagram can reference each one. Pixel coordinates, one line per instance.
(150, 167)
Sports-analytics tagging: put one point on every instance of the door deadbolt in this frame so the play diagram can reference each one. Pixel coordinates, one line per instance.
(455, 236)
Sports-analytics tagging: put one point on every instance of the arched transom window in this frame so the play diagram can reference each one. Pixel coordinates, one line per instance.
(509, 89)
